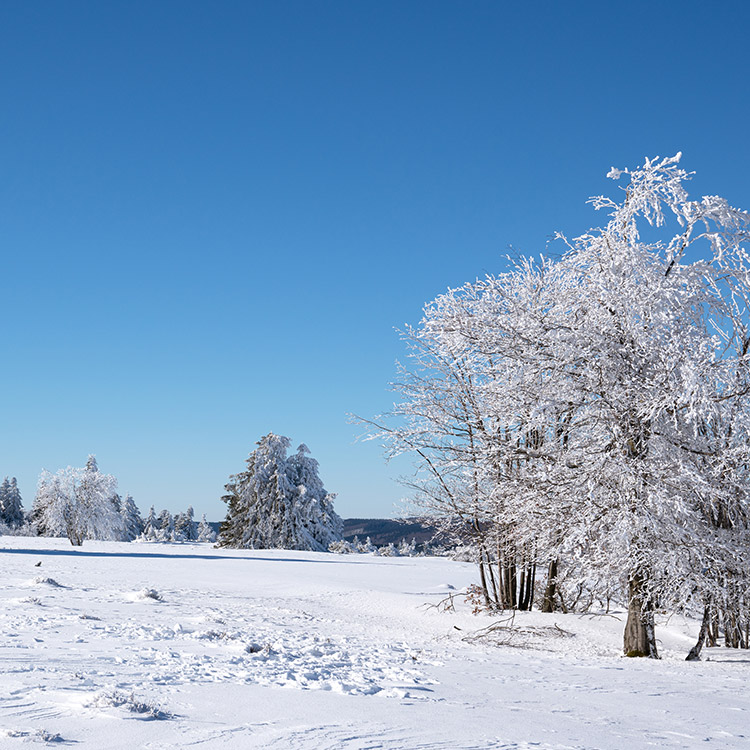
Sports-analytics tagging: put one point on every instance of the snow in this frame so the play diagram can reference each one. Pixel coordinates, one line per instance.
(169, 646)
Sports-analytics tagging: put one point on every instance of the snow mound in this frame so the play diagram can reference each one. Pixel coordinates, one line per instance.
(44, 581)
(144, 595)
(38, 735)
(27, 600)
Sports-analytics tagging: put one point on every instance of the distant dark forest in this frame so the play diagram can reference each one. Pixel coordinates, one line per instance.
(382, 531)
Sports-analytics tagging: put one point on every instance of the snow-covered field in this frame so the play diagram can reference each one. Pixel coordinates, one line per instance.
(131, 646)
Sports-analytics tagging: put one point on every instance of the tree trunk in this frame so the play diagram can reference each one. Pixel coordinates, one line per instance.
(548, 603)
(522, 590)
(530, 584)
(495, 597)
(526, 588)
(731, 628)
(512, 585)
(695, 651)
(713, 630)
(639, 637)
(483, 583)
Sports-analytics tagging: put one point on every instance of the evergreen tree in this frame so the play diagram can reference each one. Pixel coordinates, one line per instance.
(11, 508)
(131, 518)
(313, 504)
(231, 529)
(205, 532)
(165, 532)
(367, 547)
(37, 515)
(4, 491)
(407, 549)
(116, 501)
(279, 502)
(185, 527)
(150, 526)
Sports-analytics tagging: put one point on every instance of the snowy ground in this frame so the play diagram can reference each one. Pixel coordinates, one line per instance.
(278, 649)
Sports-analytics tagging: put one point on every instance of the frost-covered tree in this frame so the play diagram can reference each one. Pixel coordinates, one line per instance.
(205, 532)
(150, 526)
(279, 502)
(366, 547)
(11, 507)
(314, 505)
(446, 417)
(77, 503)
(165, 530)
(407, 549)
(651, 360)
(592, 411)
(131, 519)
(116, 501)
(341, 547)
(185, 527)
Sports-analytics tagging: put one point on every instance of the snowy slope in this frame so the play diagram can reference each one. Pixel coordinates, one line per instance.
(170, 646)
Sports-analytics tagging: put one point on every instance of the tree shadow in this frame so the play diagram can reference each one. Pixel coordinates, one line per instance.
(168, 556)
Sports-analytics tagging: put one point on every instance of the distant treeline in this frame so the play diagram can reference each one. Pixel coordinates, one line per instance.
(384, 531)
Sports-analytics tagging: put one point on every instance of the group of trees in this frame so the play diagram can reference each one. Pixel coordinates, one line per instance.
(589, 415)
(83, 503)
(357, 546)
(182, 527)
(279, 501)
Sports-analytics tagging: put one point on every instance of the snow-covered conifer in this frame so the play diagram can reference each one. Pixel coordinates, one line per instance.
(165, 530)
(279, 502)
(150, 526)
(185, 527)
(131, 518)
(366, 547)
(4, 490)
(313, 504)
(407, 549)
(11, 508)
(341, 547)
(205, 532)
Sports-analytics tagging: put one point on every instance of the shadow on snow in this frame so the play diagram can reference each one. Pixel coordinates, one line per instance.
(177, 556)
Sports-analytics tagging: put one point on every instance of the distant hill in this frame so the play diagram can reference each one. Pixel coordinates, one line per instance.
(381, 531)
(385, 530)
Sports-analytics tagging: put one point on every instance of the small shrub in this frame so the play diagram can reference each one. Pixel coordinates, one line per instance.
(150, 594)
(116, 699)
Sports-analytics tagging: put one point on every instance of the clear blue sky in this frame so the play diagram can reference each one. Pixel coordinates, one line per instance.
(214, 214)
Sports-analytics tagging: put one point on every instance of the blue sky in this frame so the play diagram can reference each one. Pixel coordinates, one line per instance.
(214, 215)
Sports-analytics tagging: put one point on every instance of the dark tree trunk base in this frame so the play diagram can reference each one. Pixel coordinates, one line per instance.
(639, 639)
(695, 651)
